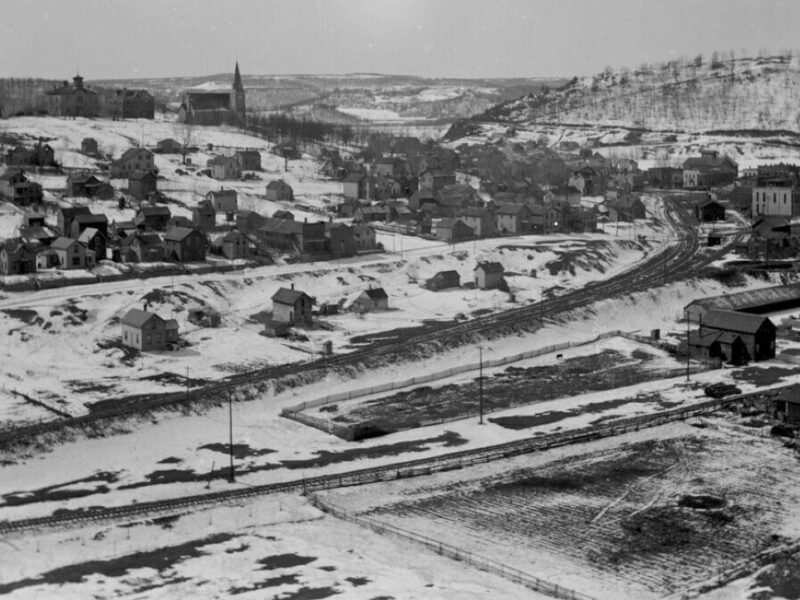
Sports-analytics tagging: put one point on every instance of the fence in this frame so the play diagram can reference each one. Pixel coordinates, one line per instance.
(395, 385)
(450, 551)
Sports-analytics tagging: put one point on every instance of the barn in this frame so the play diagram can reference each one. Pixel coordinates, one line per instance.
(755, 333)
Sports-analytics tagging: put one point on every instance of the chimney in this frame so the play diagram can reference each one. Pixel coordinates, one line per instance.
(292, 286)
(305, 220)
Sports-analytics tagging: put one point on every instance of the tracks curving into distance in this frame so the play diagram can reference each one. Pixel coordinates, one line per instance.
(677, 261)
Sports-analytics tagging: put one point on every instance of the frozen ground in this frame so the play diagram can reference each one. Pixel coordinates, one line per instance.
(277, 547)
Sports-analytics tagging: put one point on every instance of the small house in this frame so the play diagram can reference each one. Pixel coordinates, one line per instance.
(488, 275)
(185, 245)
(444, 280)
(133, 160)
(249, 160)
(146, 331)
(169, 146)
(292, 307)
(248, 220)
(89, 146)
(224, 201)
(278, 191)
(371, 299)
(72, 255)
(151, 216)
(234, 245)
(141, 248)
(710, 211)
(17, 257)
(224, 167)
(204, 216)
(142, 184)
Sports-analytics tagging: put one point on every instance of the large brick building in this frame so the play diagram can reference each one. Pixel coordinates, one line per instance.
(74, 100)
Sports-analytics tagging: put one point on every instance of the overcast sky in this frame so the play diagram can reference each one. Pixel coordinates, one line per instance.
(437, 38)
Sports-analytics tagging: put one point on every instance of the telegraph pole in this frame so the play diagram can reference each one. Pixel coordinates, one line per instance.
(480, 384)
(230, 436)
(688, 347)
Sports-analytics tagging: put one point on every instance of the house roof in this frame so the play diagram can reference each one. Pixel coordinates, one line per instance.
(131, 153)
(91, 219)
(17, 245)
(137, 175)
(278, 183)
(12, 173)
(154, 211)
(286, 226)
(222, 160)
(221, 193)
(354, 178)
(512, 209)
(283, 214)
(178, 234)
(447, 275)
(87, 234)
(455, 193)
(708, 160)
(287, 296)
(249, 153)
(490, 267)
(731, 320)
(70, 212)
(376, 293)
(137, 318)
(62, 243)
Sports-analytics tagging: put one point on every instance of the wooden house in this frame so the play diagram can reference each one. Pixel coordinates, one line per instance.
(18, 189)
(444, 280)
(248, 220)
(279, 191)
(146, 331)
(224, 201)
(292, 307)
(488, 275)
(141, 185)
(17, 257)
(204, 216)
(185, 245)
(234, 244)
(72, 255)
(371, 299)
(133, 161)
(152, 216)
(224, 167)
(169, 146)
(141, 248)
(719, 330)
(249, 160)
(73, 100)
(512, 219)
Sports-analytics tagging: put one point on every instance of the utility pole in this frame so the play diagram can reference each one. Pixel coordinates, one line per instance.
(688, 348)
(480, 384)
(187, 383)
(230, 435)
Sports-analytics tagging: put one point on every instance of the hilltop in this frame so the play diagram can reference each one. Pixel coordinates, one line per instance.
(658, 110)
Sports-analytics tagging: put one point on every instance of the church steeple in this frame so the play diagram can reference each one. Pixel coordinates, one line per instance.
(237, 95)
(237, 78)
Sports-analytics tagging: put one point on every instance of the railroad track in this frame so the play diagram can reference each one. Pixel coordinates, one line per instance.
(677, 261)
(397, 470)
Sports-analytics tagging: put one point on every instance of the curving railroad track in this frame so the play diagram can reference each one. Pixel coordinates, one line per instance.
(678, 260)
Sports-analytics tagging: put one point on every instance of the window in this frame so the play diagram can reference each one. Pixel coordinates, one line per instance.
(76, 261)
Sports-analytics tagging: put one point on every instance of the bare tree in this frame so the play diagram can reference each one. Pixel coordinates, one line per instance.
(184, 132)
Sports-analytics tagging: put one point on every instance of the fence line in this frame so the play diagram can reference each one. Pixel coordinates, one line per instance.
(290, 411)
(486, 564)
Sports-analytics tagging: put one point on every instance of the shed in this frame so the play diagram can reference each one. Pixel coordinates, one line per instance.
(443, 280)
(371, 299)
(488, 275)
(757, 332)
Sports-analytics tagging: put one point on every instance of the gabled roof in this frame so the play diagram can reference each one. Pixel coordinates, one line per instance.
(138, 318)
(283, 214)
(91, 219)
(72, 211)
(490, 267)
(221, 193)
(376, 293)
(178, 234)
(250, 153)
(731, 320)
(87, 234)
(150, 210)
(205, 206)
(512, 209)
(278, 183)
(63, 243)
(285, 226)
(287, 296)
(131, 153)
(17, 245)
(222, 160)
(13, 173)
(354, 178)
(448, 275)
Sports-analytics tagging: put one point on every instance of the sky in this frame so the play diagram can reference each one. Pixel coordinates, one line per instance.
(433, 38)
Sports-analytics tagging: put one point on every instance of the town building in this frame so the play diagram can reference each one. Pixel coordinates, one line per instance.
(17, 257)
(142, 184)
(371, 299)
(734, 336)
(292, 307)
(205, 107)
(18, 189)
(72, 255)
(444, 280)
(713, 169)
(131, 104)
(142, 248)
(488, 275)
(279, 191)
(249, 160)
(204, 215)
(73, 100)
(132, 161)
(153, 217)
(146, 331)
(710, 211)
(223, 201)
(185, 245)
(224, 167)
(781, 200)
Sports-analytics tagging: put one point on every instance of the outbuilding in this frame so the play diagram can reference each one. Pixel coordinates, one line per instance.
(292, 306)
(757, 334)
(488, 275)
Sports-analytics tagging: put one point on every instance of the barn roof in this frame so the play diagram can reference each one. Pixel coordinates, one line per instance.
(731, 320)
(376, 293)
(63, 243)
(178, 234)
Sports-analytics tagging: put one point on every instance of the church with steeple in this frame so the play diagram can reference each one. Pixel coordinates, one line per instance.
(214, 106)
